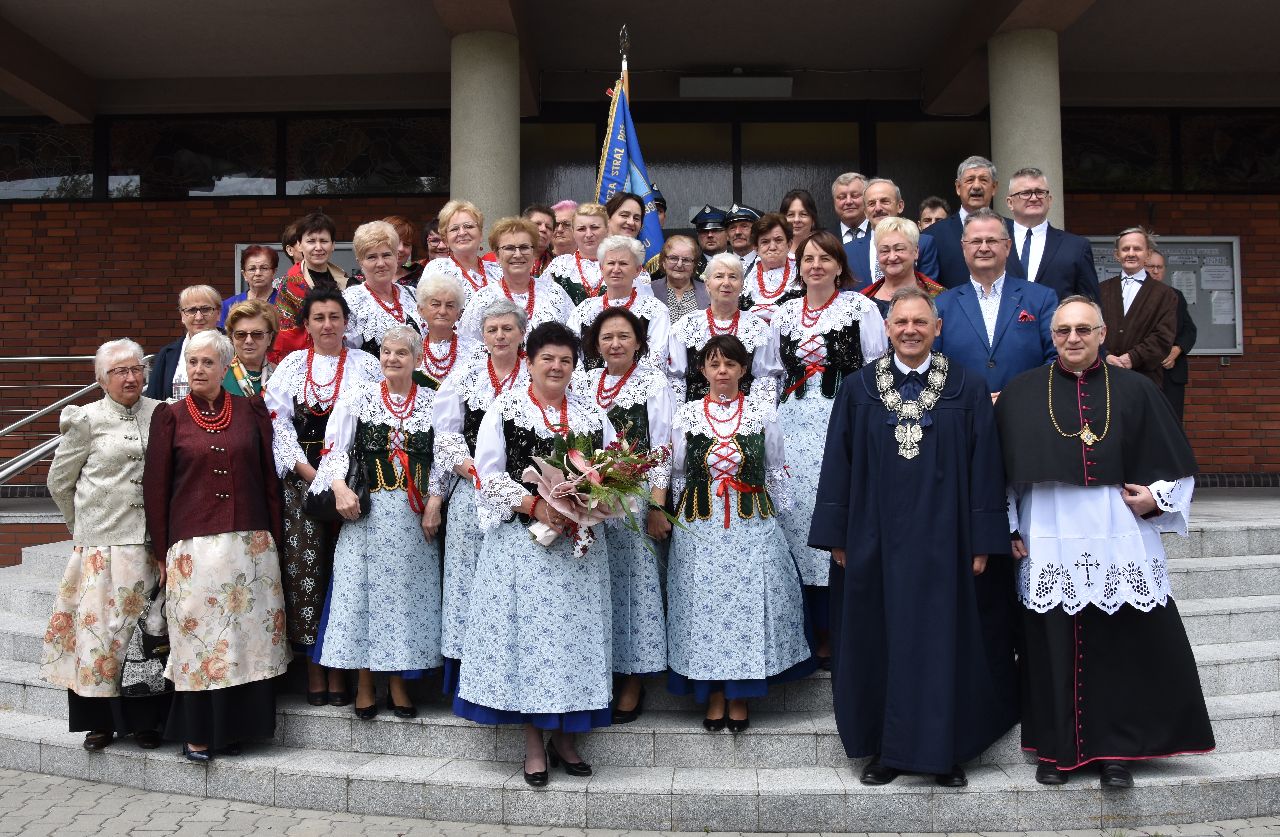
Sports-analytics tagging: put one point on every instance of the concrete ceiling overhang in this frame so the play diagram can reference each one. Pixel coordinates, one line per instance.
(72, 60)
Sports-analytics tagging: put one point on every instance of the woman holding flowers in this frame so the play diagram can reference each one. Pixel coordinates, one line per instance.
(460, 407)
(735, 614)
(96, 479)
(638, 402)
(537, 645)
(213, 512)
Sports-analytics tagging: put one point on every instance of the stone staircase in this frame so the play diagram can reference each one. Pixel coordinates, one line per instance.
(787, 772)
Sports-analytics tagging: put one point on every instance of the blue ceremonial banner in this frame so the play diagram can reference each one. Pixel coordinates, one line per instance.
(622, 169)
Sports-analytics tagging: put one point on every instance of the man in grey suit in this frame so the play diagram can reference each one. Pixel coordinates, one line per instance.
(1041, 252)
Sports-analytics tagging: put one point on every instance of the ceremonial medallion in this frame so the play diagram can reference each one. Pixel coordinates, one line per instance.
(909, 432)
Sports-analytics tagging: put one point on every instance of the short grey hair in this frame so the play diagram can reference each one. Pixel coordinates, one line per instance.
(614, 243)
(112, 352)
(1097, 309)
(985, 214)
(211, 339)
(729, 260)
(505, 308)
(896, 191)
(407, 335)
(1142, 231)
(847, 178)
(911, 292)
(976, 162)
(1028, 171)
(435, 283)
(199, 290)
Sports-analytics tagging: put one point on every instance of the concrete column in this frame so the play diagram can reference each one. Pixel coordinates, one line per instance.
(1026, 109)
(484, 122)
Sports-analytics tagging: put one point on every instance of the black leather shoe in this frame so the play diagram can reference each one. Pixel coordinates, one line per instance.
(626, 716)
(954, 778)
(366, 713)
(572, 768)
(148, 739)
(95, 741)
(339, 698)
(876, 773)
(1115, 775)
(319, 698)
(735, 725)
(536, 780)
(409, 711)
(1049, 774)
(198, 756)
(713, 724)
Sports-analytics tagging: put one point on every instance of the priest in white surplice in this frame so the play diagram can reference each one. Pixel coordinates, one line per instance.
(1097, 468)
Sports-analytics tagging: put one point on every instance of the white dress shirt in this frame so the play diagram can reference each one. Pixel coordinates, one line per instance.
(848, 233)
(1129, 287)
(1039, 235)
(904, 369)
(989, 302)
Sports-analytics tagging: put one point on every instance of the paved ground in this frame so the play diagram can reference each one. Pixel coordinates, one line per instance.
(35, 804)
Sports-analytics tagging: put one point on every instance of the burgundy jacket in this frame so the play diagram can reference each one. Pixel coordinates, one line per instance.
(1146, 333)
(201, 483)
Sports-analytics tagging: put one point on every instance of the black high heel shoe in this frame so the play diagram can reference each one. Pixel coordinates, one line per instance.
(366, 713)
(738, 726)
(536, 780)
(626, 716)
(409, 711)
(573, 768)
(198, 756)
(713, 724)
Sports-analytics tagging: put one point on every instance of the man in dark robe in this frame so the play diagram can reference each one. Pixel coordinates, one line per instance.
(910, 503)
(1098, 468)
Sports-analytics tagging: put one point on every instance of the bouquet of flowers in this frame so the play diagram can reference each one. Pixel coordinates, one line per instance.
(588, 486)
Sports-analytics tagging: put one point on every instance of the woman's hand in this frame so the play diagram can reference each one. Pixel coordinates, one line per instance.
(431, 516)
(658, 526)
(304, 470)
(345, 501)
(463, 468)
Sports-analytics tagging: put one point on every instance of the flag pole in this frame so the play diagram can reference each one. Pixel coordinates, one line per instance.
(624, 46)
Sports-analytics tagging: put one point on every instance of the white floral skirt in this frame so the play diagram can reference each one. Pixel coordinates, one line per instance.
(461, 547)
(225, 608)
(734, 605)
(635, 584)
(103, 590)
(538, 626)
(384, 603)
(804, 427)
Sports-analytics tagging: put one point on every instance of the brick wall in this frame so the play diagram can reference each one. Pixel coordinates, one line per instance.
(74, 275)
(15, 536)
(1232, 412)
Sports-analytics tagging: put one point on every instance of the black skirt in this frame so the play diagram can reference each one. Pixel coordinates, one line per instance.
(1123, 686)
(121, 715)
(219, 717)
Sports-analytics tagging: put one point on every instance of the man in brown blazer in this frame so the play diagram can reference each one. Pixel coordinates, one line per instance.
(1140, 313)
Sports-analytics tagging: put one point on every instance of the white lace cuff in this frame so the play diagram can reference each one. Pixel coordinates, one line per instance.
(438, 480)
(1173, 497)
(778, 482)
(451, 450)
(284, 446)
(333, 466)
(677, 487)
(660, 474)
(1011, 501)
(496, 501)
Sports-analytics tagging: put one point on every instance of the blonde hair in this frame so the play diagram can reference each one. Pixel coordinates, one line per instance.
(207, 291)
(452, 208)
(894, 224)
(247, 310)
(590, 210)
(374, 233)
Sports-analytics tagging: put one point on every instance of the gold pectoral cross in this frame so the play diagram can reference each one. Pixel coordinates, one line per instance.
(1087, 435)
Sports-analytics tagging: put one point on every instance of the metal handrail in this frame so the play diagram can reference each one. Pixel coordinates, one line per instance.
(23, 461)
(44, 411)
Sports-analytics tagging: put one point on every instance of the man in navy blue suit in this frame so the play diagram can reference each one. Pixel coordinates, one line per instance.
(995, 324)
(883, 199)
(846, 197)
(1041, 252)
(976, 187)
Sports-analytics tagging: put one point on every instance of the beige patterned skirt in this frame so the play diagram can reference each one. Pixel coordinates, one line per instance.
(101, 595)
(225, 608)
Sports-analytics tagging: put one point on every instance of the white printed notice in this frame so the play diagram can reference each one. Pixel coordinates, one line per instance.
(1218, 277)
(1185, 281)
(1224, 307)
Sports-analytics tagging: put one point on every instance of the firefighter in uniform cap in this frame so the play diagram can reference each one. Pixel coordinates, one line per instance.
(712, 236)
(738, 223)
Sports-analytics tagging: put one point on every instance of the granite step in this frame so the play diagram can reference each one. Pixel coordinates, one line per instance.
(999, 797)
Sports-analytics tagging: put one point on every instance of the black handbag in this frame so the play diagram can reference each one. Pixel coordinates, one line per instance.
(322, 506)
(142, 672)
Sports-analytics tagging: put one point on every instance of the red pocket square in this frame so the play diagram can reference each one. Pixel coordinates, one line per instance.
(1026, 317)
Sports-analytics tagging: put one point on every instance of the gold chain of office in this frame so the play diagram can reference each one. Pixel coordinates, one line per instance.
(1085, 432)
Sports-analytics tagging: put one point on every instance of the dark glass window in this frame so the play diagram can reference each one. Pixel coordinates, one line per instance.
(1117, 151)
(46, 160)
(558, 162)
(921, 158)
(373, 155)
(181, 158)
(692, 163)
(780, 156)
(1231, 152)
